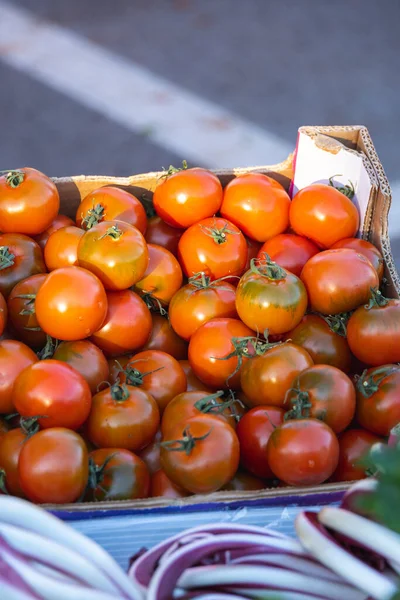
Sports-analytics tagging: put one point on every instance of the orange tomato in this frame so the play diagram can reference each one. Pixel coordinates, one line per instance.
(289, 251)
(61, 249)
(163, 276)
(58, 222)
(365, 248)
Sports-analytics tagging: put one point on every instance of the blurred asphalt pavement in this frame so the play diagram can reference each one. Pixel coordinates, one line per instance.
(269, 65)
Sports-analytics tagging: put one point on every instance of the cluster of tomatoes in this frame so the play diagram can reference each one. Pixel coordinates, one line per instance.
(234, 339)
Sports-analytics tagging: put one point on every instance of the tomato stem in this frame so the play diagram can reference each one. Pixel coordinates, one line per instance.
(113, 232)
(6, 258)
(14, 178)
(49, 348)
(266, 267)
(30, 425)
(219, 234)
(152, 303)
(186, 444)
(337, 323)
(96, 475)
(368, 385)
(93, 216)
(29, 308)
(3, 486)
(134, 376)
(201, 281)
(347, 190)
(171, 170)
(119, 392)
(301, 404)
(377, 299)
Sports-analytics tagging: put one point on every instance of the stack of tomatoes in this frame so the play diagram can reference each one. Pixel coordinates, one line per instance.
(234, 339)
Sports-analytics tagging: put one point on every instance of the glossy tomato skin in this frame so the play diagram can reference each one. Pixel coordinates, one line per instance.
(127, 324)
(244, 482)
(253, 248)
(330, 392)
(163, 276)
(150, 455)
(266, 379)
(14, 358)
(303, 452)
(323, 214)
(191, 306)
(164, 338)
(322, 344)
(258, 205)
(26, 260)
(110, 203)
(21, 310)
(290, 251)
(116, 252)
(130, 423)
(378, 399)
(254, 430)
(161, 486)
(58, 222)
(3, 314)
(338, 281)
(61, 249)
(55, 391)
(209, 348)
(87, 359)
(30, 206)
(71, 304)
(125, 476)
(367, 249)
(160, 233)
(186, 197)
(53, 466)
(212, 461)
(193, 382)
(354, 446)
(11, 445)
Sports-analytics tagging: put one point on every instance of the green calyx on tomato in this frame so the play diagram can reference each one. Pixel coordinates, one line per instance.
(301, 404)
(30, 425)
(201, 281)
(113, 232)
(49, 348)
(96, 475)
(171, 170)
(134, 376)
(368, 385)
(119, 392)
(347, 190)
(337, 323)
(14, 178)
(6, 258)
(266, 267)
(29, 308)
(186, 444)
(211, 405)
(377, 299)
(218, 234)
(153, 304)
(93, 216)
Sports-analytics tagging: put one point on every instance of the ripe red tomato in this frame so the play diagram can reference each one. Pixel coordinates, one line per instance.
(243, 482)
(201, 457)
(289, 251)
(193, 382)
(323, 392)
(378, 399)
(258, 205)
(116, 252)
(163, 276)
(160, 233)
(200, 301)
(58, 222)
(218, 350)
(3, 314)
(123, 416)
(29, 201)
(365, 248)
(87, 359)
(71, 304)
(53, 466)
(151, 454)
(254, 430)
(321, 341)
(266, 379)
(116, 474)
(270, 298)
(161, 486)
(187, 196)
(110, 203)
(11, 444)
(303, 452)
(323, 214)
(164, 338)
(213, 246)
(55, 391)
(14, 358)
(61, 249)
(354, 446)
(21, 310)
(338, 281)
(20, 257)
(127, 324)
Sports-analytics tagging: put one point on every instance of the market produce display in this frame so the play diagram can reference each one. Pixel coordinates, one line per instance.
(206, 339)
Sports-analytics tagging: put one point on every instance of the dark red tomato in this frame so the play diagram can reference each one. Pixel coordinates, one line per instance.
(116, 474)
(160, 233)
(3, 427)
(127, 324)
(270, 298)
(11, 445)
(123, 416)
(217, 351)
(3, 314)
(253, 248)
(213, 246)
(164, 338)
(163, 276)
(161, 486)
(54, 391)
(367, 249)
(156, 372)
(322, 343)
(244, 482)
(87, 359)
(61, 249)
(254, 430)
(53, 466)
(20, 257)
(187, 196)
(151, 454)
(258, 205)
(116, 252)
(323, 214)
(21, 310)
(200, 301)
(71, 304)
(14, 358)
(201, 457)
(110, 203)
(193, 382)
(378, 399)
(57, 223)
(354, 446)
(338, 281)
(29, 201)
(303, 452)
(116, 366)
(289, 251)
(266, 379)
(323, 392)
